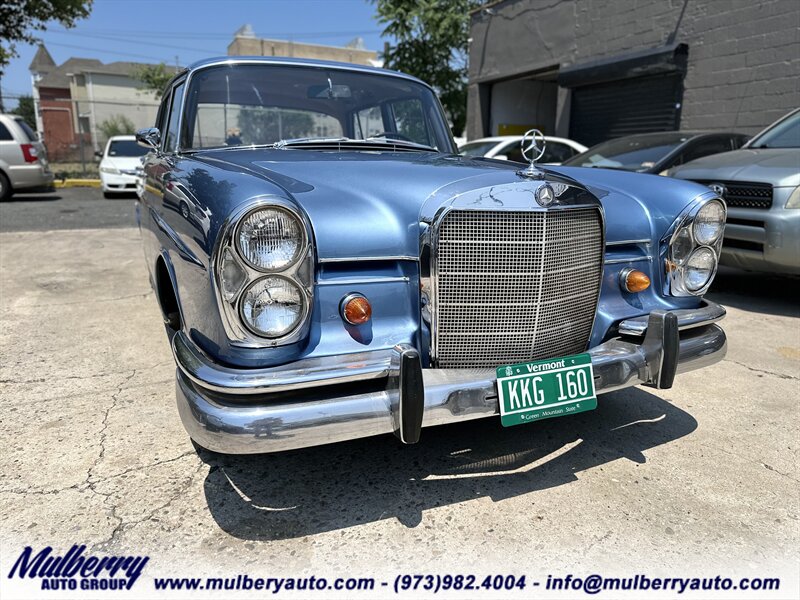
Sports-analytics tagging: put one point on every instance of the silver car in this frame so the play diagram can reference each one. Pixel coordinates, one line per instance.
(23, 160)
(761, 184)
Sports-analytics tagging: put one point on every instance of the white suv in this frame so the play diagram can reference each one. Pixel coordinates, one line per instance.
(23, 160)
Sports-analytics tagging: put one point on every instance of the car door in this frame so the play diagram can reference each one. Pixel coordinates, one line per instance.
(157, 166)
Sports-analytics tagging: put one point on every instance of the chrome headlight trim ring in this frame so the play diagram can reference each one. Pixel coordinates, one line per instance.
(684, 225)
(300, 272)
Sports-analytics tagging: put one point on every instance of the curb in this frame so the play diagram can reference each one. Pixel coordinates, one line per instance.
(68, 183)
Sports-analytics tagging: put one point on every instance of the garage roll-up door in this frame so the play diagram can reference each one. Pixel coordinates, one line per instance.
(616, 108)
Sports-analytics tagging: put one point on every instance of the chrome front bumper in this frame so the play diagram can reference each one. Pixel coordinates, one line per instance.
(336, 398)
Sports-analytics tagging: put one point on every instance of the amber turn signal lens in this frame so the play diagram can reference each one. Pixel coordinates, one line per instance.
(634, 281)
(356, 309)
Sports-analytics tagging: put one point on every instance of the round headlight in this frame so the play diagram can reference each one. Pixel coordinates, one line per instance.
(270, 239)
(272, 306)
(709, 223)
(699, 268)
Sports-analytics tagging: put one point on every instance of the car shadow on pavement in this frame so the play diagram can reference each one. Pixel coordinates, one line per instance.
(314, 490)
(46, 197)
(756, 292)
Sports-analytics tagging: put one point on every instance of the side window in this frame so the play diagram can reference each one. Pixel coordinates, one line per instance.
(368, 122)
(707, 147)
(5, 134)
(171, 135)
(409, 121)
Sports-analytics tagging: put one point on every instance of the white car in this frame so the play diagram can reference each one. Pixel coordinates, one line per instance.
(507, 147)
(120, 165)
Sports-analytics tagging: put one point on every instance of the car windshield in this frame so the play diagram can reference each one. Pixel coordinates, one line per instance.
(262, 104)
(786, 134)
(126, 148)
(476, 148)
(635, 153)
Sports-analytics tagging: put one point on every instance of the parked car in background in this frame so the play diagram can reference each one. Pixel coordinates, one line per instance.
(120, 165)
(23, 159)
(761, 185)
(372, 281)
(656, 152)
(507, 147)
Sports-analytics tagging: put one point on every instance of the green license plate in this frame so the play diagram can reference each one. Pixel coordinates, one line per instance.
(545, 388)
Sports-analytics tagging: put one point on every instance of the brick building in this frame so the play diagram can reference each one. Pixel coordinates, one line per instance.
(597, 69)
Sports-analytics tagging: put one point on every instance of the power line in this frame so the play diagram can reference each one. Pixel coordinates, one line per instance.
(124, 38)
(103, 50)
(215, 34)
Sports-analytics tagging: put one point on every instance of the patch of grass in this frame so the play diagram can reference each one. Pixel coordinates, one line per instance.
(73, 170)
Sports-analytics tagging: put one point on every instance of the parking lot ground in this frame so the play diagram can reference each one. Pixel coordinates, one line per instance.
(701, 479)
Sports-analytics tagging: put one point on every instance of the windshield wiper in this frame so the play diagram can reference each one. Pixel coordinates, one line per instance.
(398, 142)
(309, 140)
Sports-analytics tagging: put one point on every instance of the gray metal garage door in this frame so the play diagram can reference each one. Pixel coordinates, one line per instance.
(616, 108)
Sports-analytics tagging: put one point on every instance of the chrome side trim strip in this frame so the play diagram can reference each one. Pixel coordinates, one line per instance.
(627, 242)
(364, 280)
(709, 312)
(339, 259)
(619, 261)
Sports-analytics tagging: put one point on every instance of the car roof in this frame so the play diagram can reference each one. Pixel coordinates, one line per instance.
(291, 61)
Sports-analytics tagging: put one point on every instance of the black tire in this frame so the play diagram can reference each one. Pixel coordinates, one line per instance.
(184, 210)
(109, 195)
(5, 187)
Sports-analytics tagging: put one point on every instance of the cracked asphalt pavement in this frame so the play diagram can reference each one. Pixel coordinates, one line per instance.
(699, 479)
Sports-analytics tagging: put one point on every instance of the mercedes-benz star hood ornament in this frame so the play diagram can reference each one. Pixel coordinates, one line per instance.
(532, 145)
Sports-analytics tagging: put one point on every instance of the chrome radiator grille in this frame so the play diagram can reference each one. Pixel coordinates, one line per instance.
(515, 286)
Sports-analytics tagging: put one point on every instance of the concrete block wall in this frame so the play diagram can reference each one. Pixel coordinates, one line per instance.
(744, 55)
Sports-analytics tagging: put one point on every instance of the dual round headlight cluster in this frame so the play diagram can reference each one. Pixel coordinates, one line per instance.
(692, 249)
(270, 240)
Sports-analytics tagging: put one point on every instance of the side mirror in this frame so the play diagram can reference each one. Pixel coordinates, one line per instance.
(149, 138)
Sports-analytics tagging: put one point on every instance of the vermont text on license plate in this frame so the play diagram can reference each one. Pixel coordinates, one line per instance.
(546, 388)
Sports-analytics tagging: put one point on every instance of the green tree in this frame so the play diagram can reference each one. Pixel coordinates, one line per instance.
(117, 125)
(431, 42)
(26, 110)
(153, 77)
(19, 19)
(264, 125)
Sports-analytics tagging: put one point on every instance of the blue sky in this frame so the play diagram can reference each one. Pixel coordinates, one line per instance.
(160, 30)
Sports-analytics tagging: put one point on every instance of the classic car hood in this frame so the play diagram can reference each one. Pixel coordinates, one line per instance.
(370, 204)
(778, 166)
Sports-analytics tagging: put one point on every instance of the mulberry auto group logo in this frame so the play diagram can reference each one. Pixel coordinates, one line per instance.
(76, 570)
